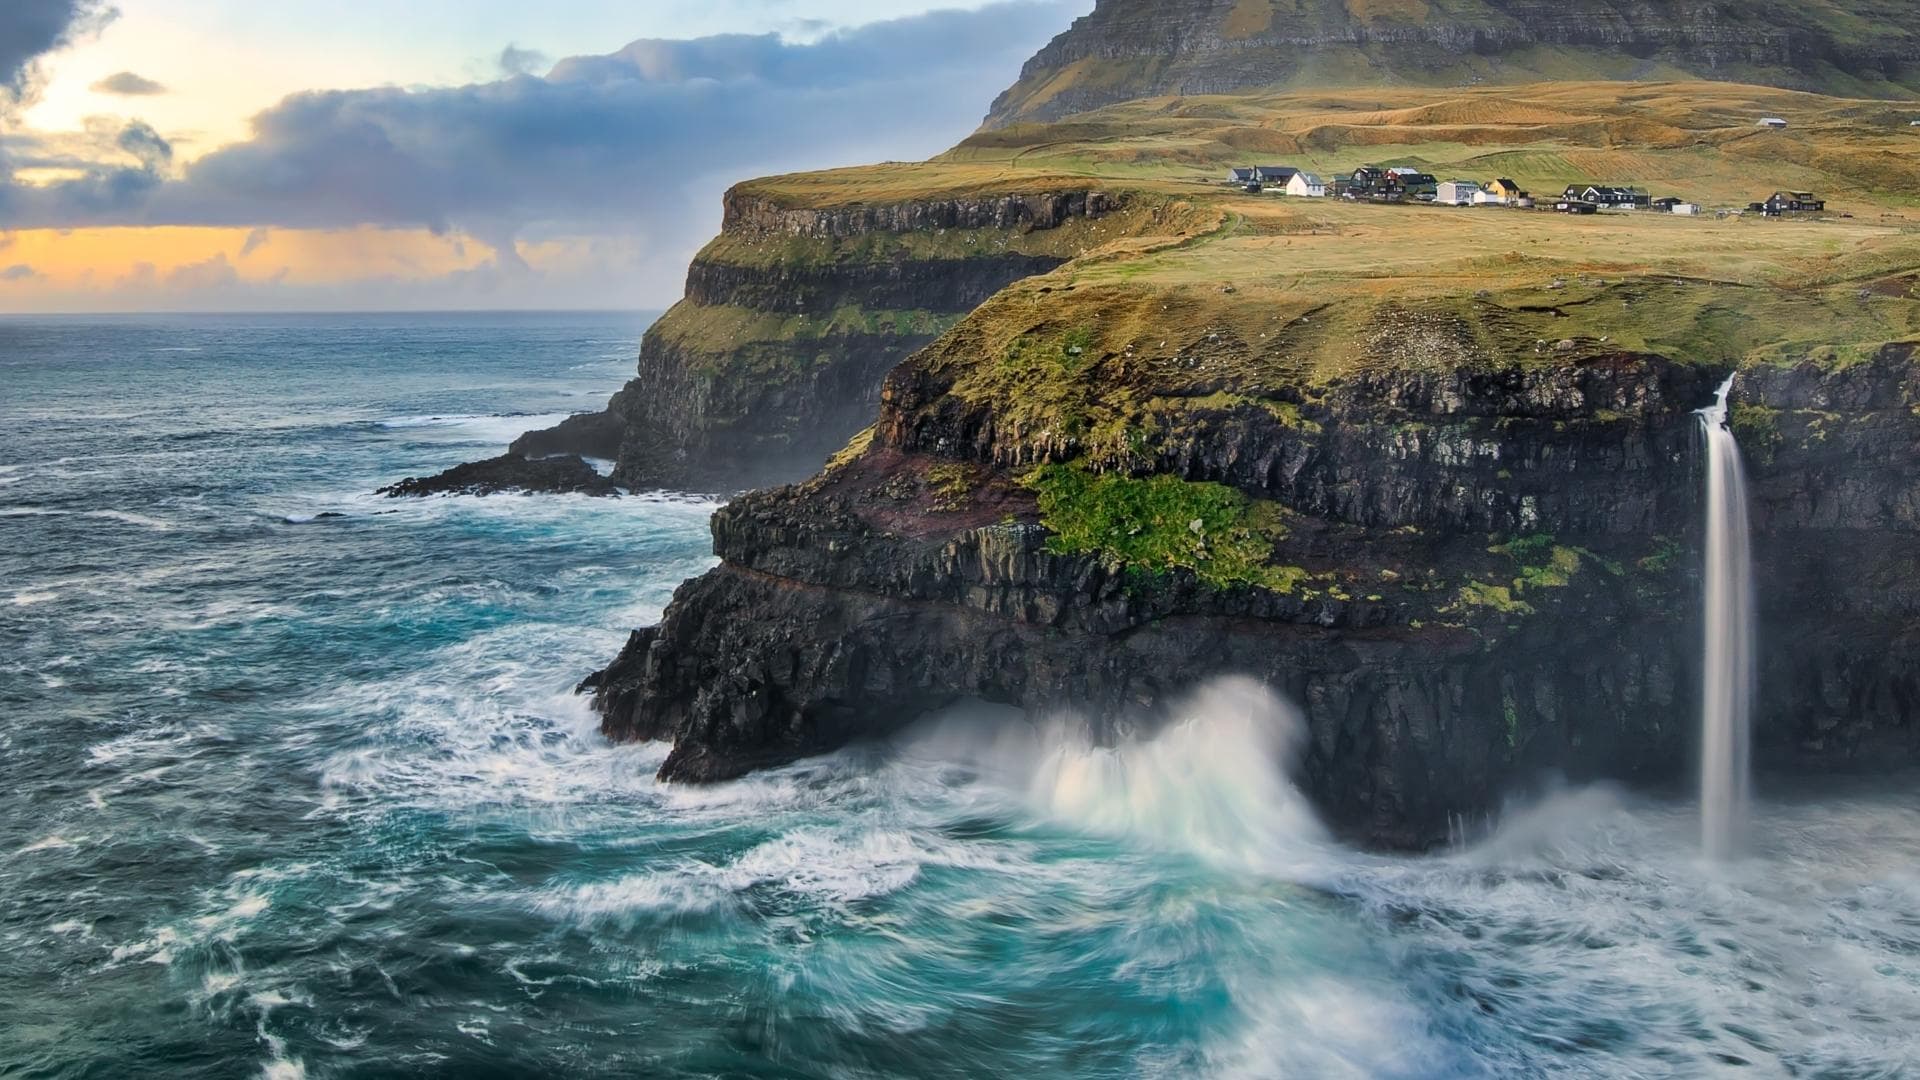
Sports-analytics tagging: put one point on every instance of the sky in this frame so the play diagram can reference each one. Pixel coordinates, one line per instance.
(229, 155)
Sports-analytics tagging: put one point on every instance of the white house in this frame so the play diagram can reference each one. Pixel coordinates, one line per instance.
(1685, 209)
(1457, 193)
(1307, 186)
(1483, 197)
(1773, 122)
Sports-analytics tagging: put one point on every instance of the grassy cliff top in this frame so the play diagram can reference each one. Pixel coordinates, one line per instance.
(1316, 287)
(1696, 140)
(896, 182)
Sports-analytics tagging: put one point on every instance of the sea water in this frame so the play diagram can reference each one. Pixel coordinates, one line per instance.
(291, 794)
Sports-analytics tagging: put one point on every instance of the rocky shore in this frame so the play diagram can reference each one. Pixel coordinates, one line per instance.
(509, 473)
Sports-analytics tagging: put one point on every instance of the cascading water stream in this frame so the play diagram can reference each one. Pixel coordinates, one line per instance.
(1727, 692)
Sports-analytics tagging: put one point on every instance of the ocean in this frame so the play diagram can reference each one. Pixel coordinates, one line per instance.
(293, 783)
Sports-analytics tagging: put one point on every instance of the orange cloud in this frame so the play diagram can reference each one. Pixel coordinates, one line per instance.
(71, 259)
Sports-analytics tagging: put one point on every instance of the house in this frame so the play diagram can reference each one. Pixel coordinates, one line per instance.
(1307, 186)
(1670, 205)
(1623, 198)
(1685, 209)
(1274, 175)
(1374, 183)
(1367, 179)
(1506, 190)
(1913, 123)
(1457, 192)
(1243, 176)
(1415, 182)
(1576, 206)
(1773, 122)
(1485, 197)
(1792, 202)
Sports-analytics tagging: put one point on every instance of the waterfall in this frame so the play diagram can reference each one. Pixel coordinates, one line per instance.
(1727, 692)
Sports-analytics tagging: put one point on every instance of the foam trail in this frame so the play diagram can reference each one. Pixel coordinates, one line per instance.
(1727, 691)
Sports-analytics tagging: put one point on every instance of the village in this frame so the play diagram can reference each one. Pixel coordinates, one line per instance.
(1401, 184)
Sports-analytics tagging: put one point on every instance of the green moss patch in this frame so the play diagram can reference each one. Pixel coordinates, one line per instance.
(1163, 523)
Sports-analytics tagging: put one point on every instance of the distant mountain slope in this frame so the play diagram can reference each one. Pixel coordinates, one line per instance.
(1129, 49)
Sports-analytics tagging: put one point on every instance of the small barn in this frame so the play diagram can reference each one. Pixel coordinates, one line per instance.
(1243, 176)
(1773, 122)
(1306, 185)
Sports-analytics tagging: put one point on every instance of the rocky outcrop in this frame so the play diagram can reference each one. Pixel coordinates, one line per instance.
(850, 605)
(509, 473)
(1129, 49)
(790, 323)
(594, 435)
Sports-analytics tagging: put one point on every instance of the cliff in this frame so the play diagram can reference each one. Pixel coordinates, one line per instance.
(1132, 49)
(796, 312)
(1450, 507)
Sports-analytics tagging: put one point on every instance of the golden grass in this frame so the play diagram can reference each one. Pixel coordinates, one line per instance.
(1307, 290)
(1696, 139)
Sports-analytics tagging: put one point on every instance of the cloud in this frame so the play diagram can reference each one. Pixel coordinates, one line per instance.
(514, 60)
(255, 240)
(30, 29)
(638, 140)
(633, 147)
(128, 84)
(19, 272)
(214, 273)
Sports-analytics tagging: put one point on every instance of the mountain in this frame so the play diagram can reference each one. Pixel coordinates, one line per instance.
(1129, 49)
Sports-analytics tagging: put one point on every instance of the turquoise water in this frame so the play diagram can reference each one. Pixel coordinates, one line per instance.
(303, 795)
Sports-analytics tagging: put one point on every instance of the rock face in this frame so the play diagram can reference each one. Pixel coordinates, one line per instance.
(848, 606)
(790, 323)
(509, 473)
(1129, 49)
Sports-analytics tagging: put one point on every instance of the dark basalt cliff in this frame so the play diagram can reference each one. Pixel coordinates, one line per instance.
(1128, 49)
(914, 574)
(791, 320)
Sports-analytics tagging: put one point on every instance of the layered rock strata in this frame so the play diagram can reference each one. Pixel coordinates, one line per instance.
(1496, 587)
(791, 320)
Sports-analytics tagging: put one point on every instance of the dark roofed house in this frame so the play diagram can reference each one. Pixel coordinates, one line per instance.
(1415, 182)
(1243, 176)
(1621, 197)
(1274, 174)
(1793, 202)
